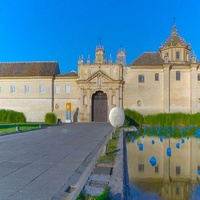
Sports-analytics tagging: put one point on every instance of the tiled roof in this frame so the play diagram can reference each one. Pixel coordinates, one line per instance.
(72, 73)
(174, 39)
(13, 69)
(148, 59)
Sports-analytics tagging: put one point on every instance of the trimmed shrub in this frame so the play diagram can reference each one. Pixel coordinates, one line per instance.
(50, 118)
(172, 119)
(161, 119)
(11, 116)
(133, 118)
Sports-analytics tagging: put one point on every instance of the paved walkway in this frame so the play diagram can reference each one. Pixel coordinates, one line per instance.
(38, 165)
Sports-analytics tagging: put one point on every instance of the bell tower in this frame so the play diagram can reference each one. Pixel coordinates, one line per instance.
(99, 54)
(121, 57)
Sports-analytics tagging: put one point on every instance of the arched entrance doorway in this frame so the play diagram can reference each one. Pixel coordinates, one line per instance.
(99, 107)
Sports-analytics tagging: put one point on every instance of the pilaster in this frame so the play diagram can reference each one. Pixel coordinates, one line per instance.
(166, 88)
(193, 88)
(193, 159)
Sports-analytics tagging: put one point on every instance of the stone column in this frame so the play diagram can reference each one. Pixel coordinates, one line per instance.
(81, 113)
(166, 160)
(117, 97)
(89, 103)
(166, 88)
(193, 88)
(120, 96)
(193, 158)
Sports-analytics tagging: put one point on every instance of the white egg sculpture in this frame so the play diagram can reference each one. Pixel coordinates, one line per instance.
(117, 117)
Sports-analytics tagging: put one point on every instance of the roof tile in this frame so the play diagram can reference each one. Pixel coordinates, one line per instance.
(148, 59)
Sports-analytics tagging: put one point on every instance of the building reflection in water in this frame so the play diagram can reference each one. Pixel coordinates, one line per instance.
(174, 177)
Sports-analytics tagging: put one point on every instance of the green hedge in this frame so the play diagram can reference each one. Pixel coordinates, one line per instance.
(50, 118)
(173, 119)
(10, 116)
(162, 119)
(133, 118)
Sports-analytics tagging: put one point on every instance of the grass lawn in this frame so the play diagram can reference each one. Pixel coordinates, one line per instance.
(11, 128)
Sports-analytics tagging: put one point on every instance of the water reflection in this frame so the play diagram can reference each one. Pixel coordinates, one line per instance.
(173, 177)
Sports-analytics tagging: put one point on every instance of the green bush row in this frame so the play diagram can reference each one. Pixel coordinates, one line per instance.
(10, 116)
(133, 118)
(50, 118)
(162, 119)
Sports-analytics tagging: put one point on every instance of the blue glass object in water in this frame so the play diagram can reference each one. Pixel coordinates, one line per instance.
(169, 152)
(182, 140)
(178, 145)
(132, 139)
(161, 138)
(152, 141)
(153, 161)
(140, 146)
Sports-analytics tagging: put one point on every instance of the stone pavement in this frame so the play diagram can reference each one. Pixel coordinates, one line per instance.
(42, 164)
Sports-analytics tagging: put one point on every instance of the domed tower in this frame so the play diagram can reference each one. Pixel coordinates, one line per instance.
(99, 54)
(121, 57)
(175, 49)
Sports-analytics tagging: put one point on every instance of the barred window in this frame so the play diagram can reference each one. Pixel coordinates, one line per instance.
(177, 55)
(12, 89)
(141, 78)
(57, 89)
(26, 89)
(41, 89)
(178, 75)
(67, 89)
(198, 77)
(156, 77)
(178, 170)
(140, 167)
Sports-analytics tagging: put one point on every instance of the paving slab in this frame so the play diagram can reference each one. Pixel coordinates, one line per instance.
(41, 164)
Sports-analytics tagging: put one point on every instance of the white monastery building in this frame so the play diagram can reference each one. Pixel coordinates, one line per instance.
(156, 82)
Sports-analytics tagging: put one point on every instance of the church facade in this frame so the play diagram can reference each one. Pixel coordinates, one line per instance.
(155, 82)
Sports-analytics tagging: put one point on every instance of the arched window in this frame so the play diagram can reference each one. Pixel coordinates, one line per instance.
(178, 55)
(141, 78)
(156, 77)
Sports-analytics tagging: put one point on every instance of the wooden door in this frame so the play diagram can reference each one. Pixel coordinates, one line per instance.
(99, 107)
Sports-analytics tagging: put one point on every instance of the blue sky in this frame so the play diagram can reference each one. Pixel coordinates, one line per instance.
(63, 30)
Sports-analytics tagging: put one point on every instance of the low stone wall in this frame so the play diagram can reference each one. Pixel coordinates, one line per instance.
(119, 181)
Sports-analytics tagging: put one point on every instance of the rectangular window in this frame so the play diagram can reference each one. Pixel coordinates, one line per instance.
(177, 55)
(141, 78)
(198, 77)
(26, 89)
(178, 170)
(156, 77)
(67, 89)
(156, 169)
(177, 190)
(178, 75)
(41, 89)
(140, 167)
(12, 89)
(57, 89)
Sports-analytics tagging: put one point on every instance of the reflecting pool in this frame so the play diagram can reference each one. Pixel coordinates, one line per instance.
(164, 168)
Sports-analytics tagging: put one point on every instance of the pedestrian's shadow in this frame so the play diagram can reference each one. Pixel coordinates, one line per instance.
(75, 116)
